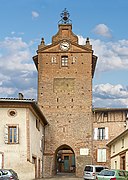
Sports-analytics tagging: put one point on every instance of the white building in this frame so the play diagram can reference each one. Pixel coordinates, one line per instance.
(119, 151)
(21, 137)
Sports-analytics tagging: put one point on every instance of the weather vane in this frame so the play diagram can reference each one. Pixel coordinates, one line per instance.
(65, 17)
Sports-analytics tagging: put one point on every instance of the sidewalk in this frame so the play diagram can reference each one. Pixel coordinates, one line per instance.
(65, 176)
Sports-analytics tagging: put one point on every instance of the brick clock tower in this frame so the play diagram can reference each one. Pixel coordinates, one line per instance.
(65, 72)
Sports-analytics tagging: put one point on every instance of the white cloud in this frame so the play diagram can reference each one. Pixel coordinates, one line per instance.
(3, 78)
(110, 91)
(35, 14)
(102, 30)
(30, 93)
(18, 72)
(109, 103)
(109, 95)
(6, 92)
(12, 32)
(81, 40)
(111, 55)
(16, 54)
(13, 43)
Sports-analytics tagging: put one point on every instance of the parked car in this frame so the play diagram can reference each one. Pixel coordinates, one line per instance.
(90, 171)
(8, 174)
(112, 174)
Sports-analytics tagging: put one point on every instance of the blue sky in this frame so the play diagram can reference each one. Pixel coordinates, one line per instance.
(25, 22)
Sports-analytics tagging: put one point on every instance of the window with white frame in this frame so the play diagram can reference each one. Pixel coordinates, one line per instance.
(11, 134)
(101, 133)
(101, 155)
(64, 61)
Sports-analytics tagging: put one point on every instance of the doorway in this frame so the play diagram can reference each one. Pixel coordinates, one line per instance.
(34, 161)
(65, 159)
(123, 161)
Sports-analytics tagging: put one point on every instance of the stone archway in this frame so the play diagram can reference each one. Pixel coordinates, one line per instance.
(65, 159)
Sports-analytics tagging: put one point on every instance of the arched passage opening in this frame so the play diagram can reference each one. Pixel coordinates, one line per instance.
(65, 159)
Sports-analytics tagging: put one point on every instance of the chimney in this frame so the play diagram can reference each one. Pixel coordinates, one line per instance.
(21, 97)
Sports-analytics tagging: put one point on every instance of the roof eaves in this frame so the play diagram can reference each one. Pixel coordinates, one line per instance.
(115, 139)
(36, 107)
(16, 100)
(109, 109)
(31, 102)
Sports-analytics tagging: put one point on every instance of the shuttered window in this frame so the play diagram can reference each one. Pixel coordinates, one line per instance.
(101, 133)
(101, 155)
(11, 134)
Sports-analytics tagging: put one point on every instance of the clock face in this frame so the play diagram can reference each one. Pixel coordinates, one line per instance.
(64, 46)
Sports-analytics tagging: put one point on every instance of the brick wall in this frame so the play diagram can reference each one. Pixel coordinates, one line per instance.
(65, 97)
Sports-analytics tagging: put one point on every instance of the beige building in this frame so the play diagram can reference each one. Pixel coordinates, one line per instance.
(21, 137)
(119, 151)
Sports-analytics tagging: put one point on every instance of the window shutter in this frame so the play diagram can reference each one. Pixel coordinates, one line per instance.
(101, 155)
(106, 133)
(41, 144)
(6, 134)
(95, 133)
(17, 134)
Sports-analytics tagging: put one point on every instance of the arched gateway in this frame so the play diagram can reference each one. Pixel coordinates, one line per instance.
(65, 159)
(65, 72)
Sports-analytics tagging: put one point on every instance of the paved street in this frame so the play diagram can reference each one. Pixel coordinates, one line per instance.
(63, 176)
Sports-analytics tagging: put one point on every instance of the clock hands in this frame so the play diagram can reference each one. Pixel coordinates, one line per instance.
(64, 46)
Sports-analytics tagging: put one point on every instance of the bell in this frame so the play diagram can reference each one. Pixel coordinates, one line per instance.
(65, 18)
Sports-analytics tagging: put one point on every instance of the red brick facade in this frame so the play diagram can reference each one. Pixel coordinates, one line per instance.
(65, 96)
(65, 72)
